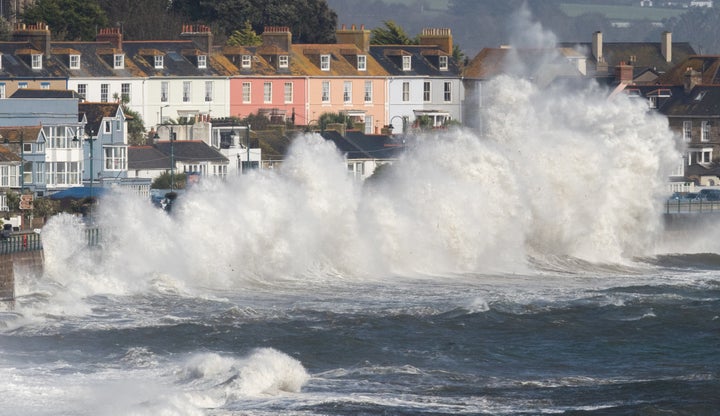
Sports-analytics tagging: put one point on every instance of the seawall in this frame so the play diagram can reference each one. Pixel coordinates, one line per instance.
(24, 262)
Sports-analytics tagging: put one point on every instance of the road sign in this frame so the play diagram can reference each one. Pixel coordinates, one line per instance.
(26, 201)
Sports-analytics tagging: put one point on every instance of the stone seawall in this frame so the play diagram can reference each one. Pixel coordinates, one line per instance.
(25, 262)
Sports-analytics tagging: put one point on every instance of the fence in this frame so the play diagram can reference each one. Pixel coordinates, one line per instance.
(690, 206)
(18, 243)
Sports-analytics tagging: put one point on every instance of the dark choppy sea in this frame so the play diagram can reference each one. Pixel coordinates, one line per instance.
(637, 340)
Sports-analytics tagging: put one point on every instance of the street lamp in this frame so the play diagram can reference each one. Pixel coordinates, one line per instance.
(247, 144)
(161, 117)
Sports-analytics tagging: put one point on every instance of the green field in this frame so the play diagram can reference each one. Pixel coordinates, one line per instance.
(621, 12)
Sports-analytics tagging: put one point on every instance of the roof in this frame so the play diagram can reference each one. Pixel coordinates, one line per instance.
(703, 100)
(706, 65)
(32, 93)
(639, 54)
(358, 145)
(424, 61)
(95, 112)
(79, 192)
(158, 155)
(7, 155)
(491, 62)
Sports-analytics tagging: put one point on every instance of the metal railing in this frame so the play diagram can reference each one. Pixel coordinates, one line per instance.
(20, 242)
(691, 206)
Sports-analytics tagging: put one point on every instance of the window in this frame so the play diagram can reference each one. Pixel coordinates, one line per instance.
(443, 63)
(324, 62)
(406, 63)
(362, 63)
(187, 89)
(245, 62)
(326, 91)
(202, 61)
(687, 130)
(368, 91)
(104, 92)
(2, 90)
(125, 92)
(44, 85)
(347, 92)
(705, 131)
(426, 91)
(447, 91)
(82, 91)
(288, 92)
(208, 91)
(22, 85)
(267, 92)
(107, 126)
(164, 89)
(74, 61)
(406, 91)
(115, 158)
(283, 61)
(119, 61)
(246, 92)
(158, 62)
(36, 61)
(63, 173)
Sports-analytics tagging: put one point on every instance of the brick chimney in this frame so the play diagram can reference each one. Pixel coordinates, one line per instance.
(441, 37)
(358, 37)
(691, 79)
(666, 46)
(624, 73)
(201, 36)
(279, 36)
(38, 35)
(111, 35)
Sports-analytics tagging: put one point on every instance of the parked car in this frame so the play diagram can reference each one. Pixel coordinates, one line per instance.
(709, 195)
(683, 197)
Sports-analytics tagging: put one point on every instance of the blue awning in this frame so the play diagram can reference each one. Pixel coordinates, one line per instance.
(79, 192)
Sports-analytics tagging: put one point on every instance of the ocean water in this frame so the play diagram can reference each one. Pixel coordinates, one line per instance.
(522, 270)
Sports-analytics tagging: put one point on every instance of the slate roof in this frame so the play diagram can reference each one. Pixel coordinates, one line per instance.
(491, 62)
(179, 59)
(96, 60)
(358, 145)
(424, 60)
(147, 157)
(34, 93)
(95, 112)
(702, 101)
(707, 65)
(191, 151)
(12, 134)
(8, 156)
(639, 54)
(16, 63)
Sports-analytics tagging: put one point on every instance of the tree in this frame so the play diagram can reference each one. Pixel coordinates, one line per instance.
(68, 19)
(139, 20)
(244, 37)
(391, 34)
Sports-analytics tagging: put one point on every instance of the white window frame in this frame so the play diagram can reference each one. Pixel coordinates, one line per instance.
(245, 61)
(347, 92)
(267, 92)
(447, 91)
(2, 90)
(368, 91)
(325, 94)
(362, 63)
(246, 92)
(126, 91)
(119, 61)
(104, 93)
(283, 61)
(82, 90)
(443, 63)
(187, 91)
(36, 61)
(44, 85)
(115, 158)
(164, 91)
(22, 85)
(159, 62)
(324, 62)
(687, 130)
(209, 91)
(202, 61)
(288, 93)
(704, 131)
(427, 91)
(405, 91)
(407, 63)
(74, 61)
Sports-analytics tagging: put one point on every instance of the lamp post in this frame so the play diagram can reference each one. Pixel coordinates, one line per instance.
(89, 137)
(247, 145)
(161, 117)
(172, 159)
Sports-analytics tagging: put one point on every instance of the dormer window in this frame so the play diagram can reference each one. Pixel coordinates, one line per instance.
(361, 62)
(283, 61)
(324, 62)
(406, 63)
(245, 63)
(443, 63)
(159, 62)
(202, 61)
(36, 61)
(119, 61)
(74, 61)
